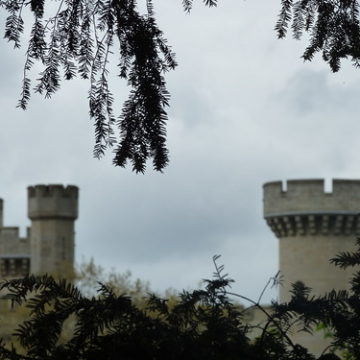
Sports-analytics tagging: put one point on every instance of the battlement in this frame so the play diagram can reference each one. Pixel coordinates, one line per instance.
(60, 191)
(53, 201)
(309, 197)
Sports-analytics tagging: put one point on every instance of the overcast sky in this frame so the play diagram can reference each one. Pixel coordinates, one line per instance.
(245, 110)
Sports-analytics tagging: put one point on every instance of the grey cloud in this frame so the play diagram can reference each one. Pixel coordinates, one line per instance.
(236, 121)
(309, 92)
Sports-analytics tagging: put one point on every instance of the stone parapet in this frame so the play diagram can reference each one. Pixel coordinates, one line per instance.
(53, 201)
(313, 226)
(309, 197)
(12, 243)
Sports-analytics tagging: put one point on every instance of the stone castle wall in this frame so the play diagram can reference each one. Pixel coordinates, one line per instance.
(53, 210)
(53, 202)
(49, 244)
(309, 197)
(313, 226)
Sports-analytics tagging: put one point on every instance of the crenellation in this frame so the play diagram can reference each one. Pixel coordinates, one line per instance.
(342, 187)
(312, 224)
(53, 201)
(309, 196)
(10, 231)
(309, 186)
(56, 191)
(49, 243)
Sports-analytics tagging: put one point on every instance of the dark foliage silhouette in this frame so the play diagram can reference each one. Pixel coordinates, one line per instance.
(72, 38)
(202, 324)
(78, 39)
(333, 26)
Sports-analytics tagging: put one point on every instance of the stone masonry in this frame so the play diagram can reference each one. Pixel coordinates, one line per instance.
(49, 244)
(312, 227)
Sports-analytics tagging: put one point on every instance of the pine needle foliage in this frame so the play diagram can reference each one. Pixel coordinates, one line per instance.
(77, 38)
(333, 27)
(336, 311)
(202, 324)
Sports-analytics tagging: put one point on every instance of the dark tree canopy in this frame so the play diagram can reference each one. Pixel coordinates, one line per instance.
(79, 37)
(202, 324)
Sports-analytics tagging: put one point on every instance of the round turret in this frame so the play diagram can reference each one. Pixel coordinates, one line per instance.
(52, 210)
(305, 208)
(313, 226)
(53, 201)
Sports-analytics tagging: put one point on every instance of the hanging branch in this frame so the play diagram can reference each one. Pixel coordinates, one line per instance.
(333, 26)
(68, 44)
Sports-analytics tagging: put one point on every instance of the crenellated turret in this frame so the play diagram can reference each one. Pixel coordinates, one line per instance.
(309, 196)
(313, 226)
(53, 201)
(52, 210)
(304, 208)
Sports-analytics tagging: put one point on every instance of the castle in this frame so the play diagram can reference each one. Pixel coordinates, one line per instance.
(313, 226)
(49, 244)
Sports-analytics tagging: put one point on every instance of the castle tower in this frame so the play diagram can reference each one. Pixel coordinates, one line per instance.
(1, 213)
(52, 210)
(313, 226)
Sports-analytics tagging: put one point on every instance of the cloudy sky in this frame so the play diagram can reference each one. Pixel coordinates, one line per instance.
(245, 110)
